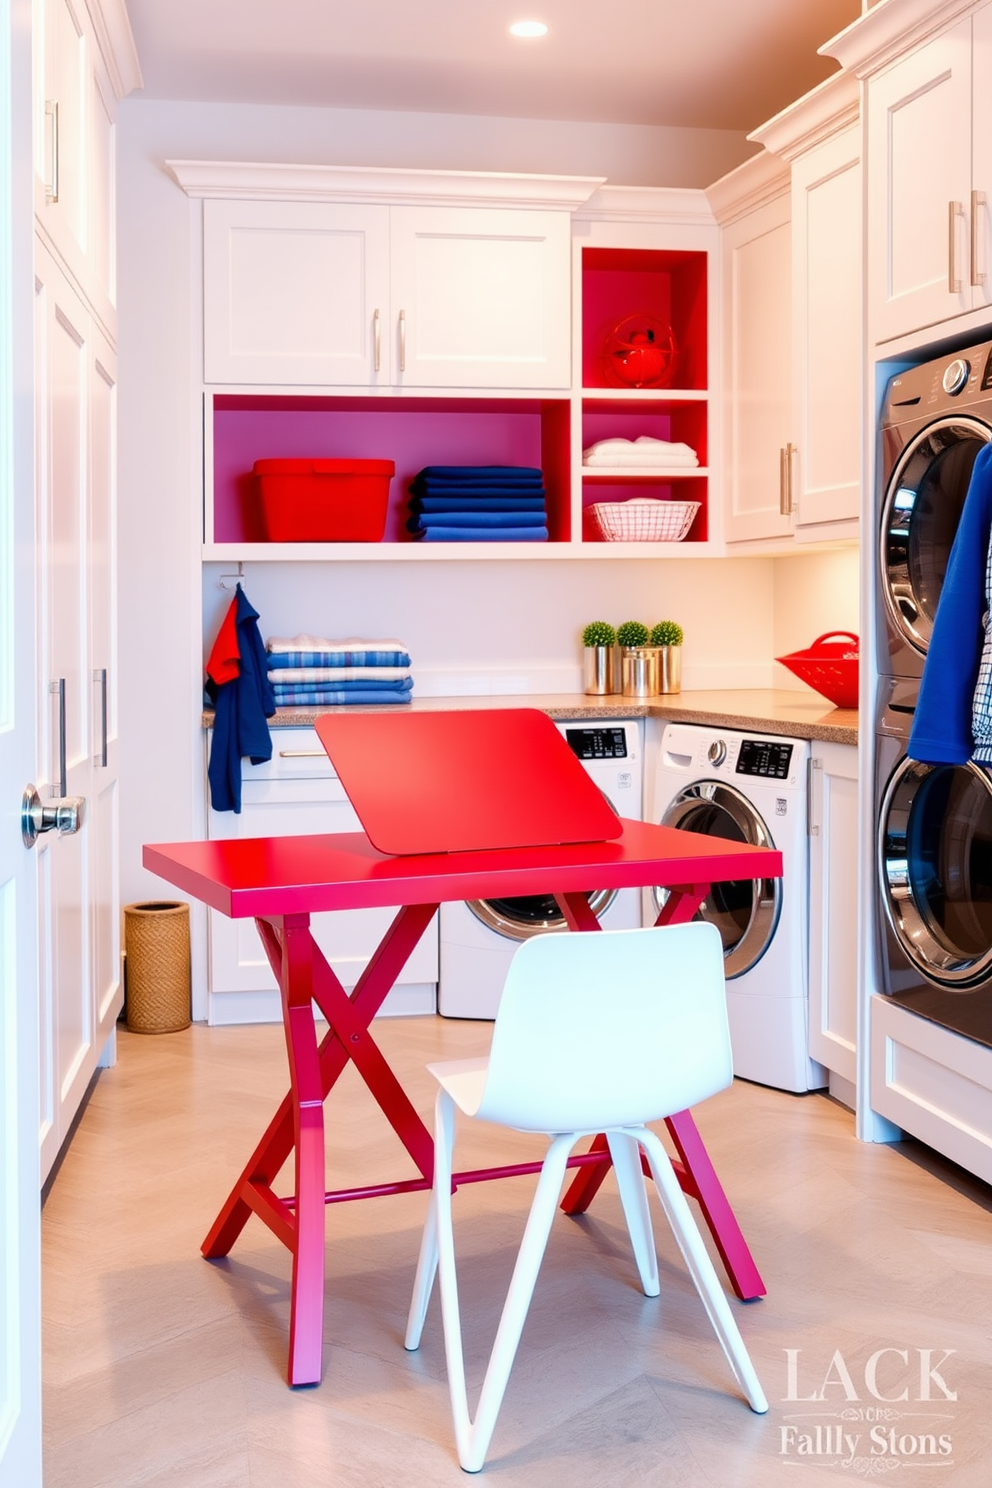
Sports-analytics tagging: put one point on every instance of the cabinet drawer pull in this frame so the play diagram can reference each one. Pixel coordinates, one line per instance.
(402, 340)
(302, 754)
(783, 482)
(52, 186)
(955, 209)
(377, 338)
(979, 201)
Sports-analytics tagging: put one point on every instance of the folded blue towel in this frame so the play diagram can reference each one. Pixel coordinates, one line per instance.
(474, 519)
(335, 658)
(483, 534)
(942, 725)
(358, 684)
(468, 501)
(319, 697)
(485, 474)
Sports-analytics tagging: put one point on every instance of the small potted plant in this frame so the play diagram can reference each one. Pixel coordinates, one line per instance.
(667, 635)
(638, 660)
(599, 671)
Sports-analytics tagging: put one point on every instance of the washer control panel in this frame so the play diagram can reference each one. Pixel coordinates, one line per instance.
(766, 758)
(597, 743)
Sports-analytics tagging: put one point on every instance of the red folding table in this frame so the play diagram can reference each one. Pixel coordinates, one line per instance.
(282, 881)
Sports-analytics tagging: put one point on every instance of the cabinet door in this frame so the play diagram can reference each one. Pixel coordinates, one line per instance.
(757, 371)
(827, 329)
(833, 907)
(295, 293)
(480, 297)
(981, 249)
(919, 163)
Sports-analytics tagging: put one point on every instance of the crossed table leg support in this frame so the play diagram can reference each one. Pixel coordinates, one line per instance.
(298, 1125)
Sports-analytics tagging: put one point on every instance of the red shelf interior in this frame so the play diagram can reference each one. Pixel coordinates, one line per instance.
(680, 423)
(412, 432)
(689, 488)
(667, 284)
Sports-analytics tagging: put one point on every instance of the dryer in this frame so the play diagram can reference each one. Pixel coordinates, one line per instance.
(479, 938)
(750, 788)
(935, 418)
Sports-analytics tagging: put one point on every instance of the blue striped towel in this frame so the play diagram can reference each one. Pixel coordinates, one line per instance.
(337, 659)
(322, 697)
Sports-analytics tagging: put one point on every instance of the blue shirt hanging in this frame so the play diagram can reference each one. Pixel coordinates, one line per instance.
(242, 707)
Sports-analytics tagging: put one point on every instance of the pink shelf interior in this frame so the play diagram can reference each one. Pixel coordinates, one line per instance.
(411, 432)
(669, 285)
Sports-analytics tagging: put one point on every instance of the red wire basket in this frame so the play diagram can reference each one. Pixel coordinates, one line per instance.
(829, 666)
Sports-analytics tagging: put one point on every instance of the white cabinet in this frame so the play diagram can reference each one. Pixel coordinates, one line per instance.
(296, 793)
(827, 336)
(833, 907)
(75, 421)
(319, 293)
(930, 168)
(757, 275)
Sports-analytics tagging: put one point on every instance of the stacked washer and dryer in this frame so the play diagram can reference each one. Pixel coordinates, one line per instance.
(933, 822)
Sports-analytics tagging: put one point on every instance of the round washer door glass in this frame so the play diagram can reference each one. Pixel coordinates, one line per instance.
(745, 911)
(920, 516)
(531, 914)
(935, 869)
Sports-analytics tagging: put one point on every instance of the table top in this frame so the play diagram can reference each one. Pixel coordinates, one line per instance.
(270, 876)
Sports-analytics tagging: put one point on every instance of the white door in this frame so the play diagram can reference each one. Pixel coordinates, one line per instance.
(480, 297)
(827, 353)
(295, 293)
(758, 371)
(833, 907)
(20, 1364)
(919, 161)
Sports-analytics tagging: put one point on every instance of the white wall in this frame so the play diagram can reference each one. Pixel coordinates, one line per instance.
(813, 593)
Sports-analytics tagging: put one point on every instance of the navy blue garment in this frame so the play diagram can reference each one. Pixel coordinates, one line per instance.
(241, 708)
(475, 519)
(941, 732)
(481, 474)
(470, 501)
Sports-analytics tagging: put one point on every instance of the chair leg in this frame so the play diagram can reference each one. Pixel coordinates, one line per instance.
(423, 1283)
(472, 1438)
(626, 1154)
(701, 1270)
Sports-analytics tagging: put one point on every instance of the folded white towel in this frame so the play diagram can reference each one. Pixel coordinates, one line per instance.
(339, 674)
(641, 451)
(321, 643)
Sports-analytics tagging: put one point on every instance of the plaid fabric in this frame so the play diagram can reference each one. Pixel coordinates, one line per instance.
(981, 708)
(323, 697)
(338, 676)
(296, 659)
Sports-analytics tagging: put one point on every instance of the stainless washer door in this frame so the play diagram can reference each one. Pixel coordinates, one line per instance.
(745, 911)
(935, 869)
(531, 914)
(920, 514)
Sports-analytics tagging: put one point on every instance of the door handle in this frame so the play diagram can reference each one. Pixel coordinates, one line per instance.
(101, 677)
(402, 340)
(955, 209)
(785, 501)
(52, 186)
(377, 338)
(979, 201)
(64, 816)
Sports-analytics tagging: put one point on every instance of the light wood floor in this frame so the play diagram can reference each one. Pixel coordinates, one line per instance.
(161, 1368)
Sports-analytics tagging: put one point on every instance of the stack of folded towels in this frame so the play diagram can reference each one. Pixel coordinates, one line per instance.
(478, 503)
(643, 453)
(311, 671)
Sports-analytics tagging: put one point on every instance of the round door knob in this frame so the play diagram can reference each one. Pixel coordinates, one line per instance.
(717, 752)
(956, 375)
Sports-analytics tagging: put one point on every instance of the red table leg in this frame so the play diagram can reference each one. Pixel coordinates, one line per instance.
(695, 1172)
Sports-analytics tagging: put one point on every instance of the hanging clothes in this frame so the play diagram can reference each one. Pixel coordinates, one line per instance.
(948, 708)
(243, 702)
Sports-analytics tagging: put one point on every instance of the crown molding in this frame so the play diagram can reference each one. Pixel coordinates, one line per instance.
(825, 110)
(336, 183)
(116, 42)
(667, 204)
(888, 30)
(758, 181)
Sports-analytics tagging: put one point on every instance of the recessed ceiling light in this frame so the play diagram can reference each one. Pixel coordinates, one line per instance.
(528, 28)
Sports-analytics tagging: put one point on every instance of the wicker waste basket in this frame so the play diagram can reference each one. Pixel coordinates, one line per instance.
(156, 942)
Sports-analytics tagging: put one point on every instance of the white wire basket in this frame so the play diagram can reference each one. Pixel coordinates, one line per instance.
(644, 519)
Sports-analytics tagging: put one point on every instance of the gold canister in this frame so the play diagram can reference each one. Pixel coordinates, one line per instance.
(156, 942)
(639, 666)
(669, 669)
(599, 669)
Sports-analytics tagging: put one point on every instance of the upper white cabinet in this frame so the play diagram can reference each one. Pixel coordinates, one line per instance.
(388, 293)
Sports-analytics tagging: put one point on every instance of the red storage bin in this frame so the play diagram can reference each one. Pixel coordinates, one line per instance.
(324, 500)
(829, 666)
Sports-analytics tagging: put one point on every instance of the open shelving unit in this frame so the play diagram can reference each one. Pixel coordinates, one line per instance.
(550, 431)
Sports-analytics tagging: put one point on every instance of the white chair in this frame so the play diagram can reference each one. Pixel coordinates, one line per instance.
(595, 1033)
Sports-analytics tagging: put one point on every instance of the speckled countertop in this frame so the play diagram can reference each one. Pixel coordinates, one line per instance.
(798, 715)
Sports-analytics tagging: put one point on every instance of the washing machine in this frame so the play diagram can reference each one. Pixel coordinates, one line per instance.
(934, 867)
(935, 418)
(479, 938)
(750, 788)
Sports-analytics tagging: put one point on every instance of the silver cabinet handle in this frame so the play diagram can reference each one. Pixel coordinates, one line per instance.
(783, 483)
(302, 754)
(402, 340)
(52, 186)
(979, 201)
(57, 689)
(101, 676)
(377, 337)
(955, 209)
(812, 825)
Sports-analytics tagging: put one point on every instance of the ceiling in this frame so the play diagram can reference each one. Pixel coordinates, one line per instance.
(714, 64)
